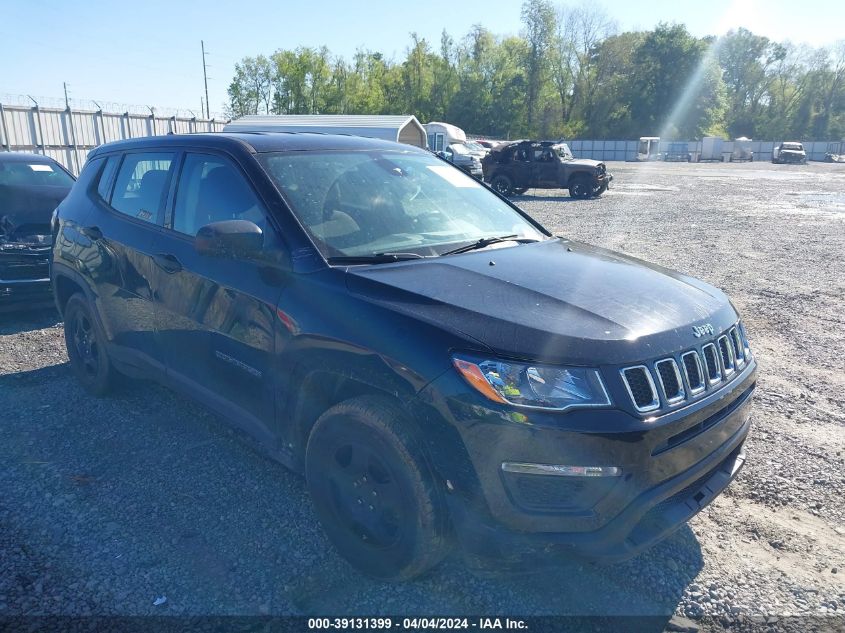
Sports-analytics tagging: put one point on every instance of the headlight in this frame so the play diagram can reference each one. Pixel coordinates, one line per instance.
(536, 386)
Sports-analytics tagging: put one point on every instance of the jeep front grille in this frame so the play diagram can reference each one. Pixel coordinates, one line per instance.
(693, 372)
(640, 387)
(677, 379)
(727, 355)
(738, 347)
(670, 380)
(711, 358)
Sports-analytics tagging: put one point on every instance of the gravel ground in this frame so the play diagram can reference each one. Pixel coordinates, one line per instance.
(108, 505)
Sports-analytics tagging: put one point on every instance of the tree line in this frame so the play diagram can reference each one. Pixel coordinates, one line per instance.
(569, 73)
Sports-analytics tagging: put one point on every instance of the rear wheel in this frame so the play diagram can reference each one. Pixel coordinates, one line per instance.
(86, 349)
(374, 491)
(502, 185)
(581, 186)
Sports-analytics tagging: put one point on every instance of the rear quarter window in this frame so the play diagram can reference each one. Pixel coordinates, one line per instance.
(141, 183)
(105, 177)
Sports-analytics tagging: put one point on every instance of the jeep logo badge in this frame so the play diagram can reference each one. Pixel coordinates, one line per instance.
(700, 330)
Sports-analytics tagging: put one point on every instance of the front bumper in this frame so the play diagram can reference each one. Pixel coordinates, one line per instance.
(24, 279)
(661, 487)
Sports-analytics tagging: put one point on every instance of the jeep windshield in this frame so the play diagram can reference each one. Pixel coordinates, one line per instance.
(34, 174)
(378, 204)
(795, 147)
(564, 152)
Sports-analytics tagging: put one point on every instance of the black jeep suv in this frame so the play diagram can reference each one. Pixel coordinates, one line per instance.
(513, 168)
(434, 360)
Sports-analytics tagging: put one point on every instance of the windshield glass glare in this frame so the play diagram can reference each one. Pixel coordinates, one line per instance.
(366, 203)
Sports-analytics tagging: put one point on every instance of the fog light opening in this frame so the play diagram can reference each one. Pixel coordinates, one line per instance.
(557, 470)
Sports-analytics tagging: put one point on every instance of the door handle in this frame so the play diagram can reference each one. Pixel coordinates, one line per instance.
(167, 262)
(92, 232)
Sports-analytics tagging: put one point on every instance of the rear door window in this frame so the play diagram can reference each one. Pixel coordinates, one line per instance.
(141, 184)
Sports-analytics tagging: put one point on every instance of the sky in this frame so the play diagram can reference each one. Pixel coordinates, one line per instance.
(148, 53)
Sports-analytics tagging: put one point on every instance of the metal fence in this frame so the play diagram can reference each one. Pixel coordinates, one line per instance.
(627, 150)
(68, 135)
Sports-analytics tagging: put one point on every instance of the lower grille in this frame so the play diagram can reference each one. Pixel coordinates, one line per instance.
(557, 494)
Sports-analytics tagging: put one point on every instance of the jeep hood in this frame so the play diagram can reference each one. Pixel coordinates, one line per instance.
(25, 211)
(583, 162)
(556, 300)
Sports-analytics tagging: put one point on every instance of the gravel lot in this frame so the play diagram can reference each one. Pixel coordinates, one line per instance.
(109, 504)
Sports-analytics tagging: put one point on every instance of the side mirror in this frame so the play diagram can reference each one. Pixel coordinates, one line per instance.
(441, 154)
(229, 238)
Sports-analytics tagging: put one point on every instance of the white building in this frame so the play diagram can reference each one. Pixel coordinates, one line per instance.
(402, 128)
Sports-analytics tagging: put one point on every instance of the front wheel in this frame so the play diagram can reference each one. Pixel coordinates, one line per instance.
(581, 187)
(374, 490)
(502, 185)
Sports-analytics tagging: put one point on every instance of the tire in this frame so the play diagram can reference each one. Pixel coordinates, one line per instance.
(374, 490)
(599, 189)
(502, 185)
(86, 350)
(581, 187)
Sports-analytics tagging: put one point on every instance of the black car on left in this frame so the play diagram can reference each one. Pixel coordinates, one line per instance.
(31, 187)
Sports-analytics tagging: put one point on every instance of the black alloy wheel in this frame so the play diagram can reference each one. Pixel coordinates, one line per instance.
(581, 187)
(85, 344)
(502, 185)
(374, 491)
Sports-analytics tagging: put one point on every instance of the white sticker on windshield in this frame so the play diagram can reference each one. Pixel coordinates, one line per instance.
(41, 168)
(453, 176)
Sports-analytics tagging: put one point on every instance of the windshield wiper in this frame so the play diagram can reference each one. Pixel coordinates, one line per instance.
(377, 258)
(487, 241)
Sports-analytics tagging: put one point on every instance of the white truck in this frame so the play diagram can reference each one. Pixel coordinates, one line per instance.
(442, 135)
(648, 148)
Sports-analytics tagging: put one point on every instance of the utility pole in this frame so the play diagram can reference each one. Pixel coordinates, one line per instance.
(67, 102)
(205, 79)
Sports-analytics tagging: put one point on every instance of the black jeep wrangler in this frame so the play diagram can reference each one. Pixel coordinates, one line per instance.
(515, 167)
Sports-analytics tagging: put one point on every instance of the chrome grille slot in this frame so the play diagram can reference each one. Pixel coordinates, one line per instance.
(693, 372)
(727, 354)
(711, 359)
(640, 386)
(738, 347)
(670, 380)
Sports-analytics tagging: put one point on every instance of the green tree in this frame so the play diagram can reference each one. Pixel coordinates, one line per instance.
(677, 90)
(539, 20)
